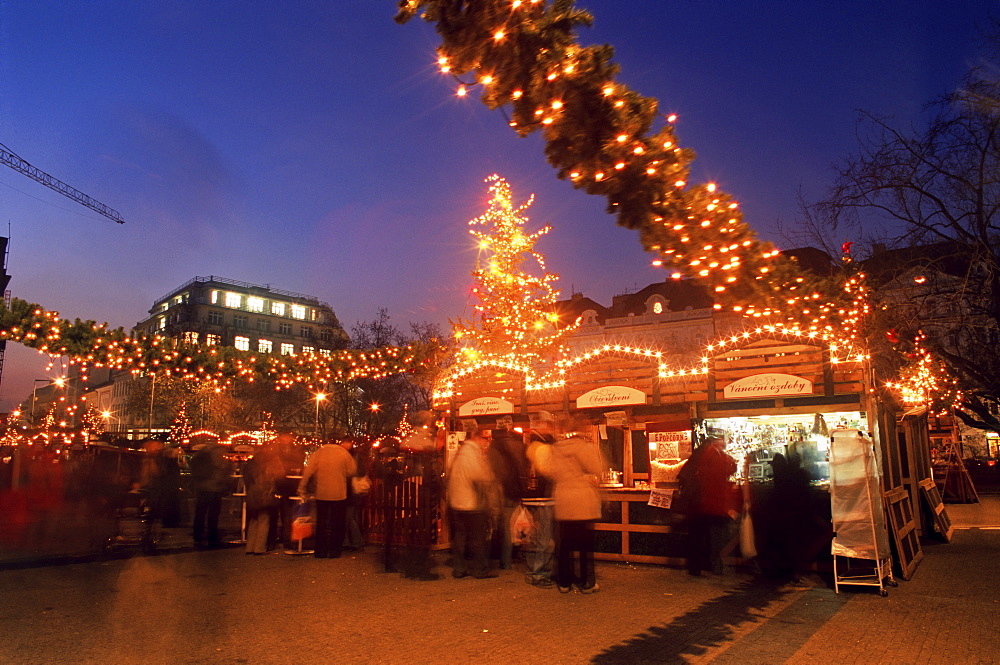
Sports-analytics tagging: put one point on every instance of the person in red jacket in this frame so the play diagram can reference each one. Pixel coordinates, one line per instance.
(705, 477)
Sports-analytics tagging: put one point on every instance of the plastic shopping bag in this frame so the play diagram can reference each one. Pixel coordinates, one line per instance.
(522, 526)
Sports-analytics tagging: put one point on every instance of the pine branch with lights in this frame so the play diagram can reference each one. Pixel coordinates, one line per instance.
(89, 343)
(516, 315)
(610, 141)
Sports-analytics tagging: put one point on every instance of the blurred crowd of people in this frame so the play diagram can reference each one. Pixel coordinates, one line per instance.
(500, 490)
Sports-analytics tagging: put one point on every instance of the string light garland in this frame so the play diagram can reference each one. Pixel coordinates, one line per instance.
(88, 343)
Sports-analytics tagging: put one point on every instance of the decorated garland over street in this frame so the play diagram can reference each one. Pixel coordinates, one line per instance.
(610, 141)
(90, 343)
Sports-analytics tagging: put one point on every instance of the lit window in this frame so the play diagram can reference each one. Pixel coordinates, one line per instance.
(287, 349)
(657, 307)
(164, 306)
(324, 352)
(298, 312)
(212, 340)
(162, 323)
(190, 337)
(233, 299)
(242, 343)
(214, 298)
(278, 308)
(255, 304)
(178, 299)
(264, 346)
(308, 349)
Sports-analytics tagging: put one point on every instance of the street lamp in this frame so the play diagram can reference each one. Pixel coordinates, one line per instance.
(107, 416)
(319, 398)
(58, 382)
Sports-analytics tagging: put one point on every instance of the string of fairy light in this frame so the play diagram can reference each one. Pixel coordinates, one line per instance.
(87, 344)
(925, 381)
(524, 58)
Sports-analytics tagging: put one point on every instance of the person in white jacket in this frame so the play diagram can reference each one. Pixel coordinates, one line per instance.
(470, 485)
(332, 466)
(573, 467)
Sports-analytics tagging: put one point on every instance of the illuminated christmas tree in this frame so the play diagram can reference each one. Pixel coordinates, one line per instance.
(516, 315)
(93, 421)
(180, 429)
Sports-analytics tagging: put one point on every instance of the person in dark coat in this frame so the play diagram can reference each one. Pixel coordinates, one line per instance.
(507, 459)
(261, 475)
(210, 477)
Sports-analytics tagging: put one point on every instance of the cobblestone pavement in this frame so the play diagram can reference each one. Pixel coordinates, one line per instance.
(220, 606)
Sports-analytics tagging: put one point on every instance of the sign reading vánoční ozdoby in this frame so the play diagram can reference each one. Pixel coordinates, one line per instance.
(610, 396)
(485, 406)
(768, 385)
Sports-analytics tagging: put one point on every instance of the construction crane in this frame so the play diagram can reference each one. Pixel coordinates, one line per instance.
(8, 157)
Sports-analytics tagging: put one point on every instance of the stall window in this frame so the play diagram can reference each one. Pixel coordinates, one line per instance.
(640, 451)
(613, 447)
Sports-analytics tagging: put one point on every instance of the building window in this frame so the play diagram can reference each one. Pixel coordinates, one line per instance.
(215, 318)
(298, 312)
(308, 349)
(233, 299)
(240, 321)
(212, 339)
(214, 298)
(190, 337)
(242, 343)
(278, 308)
(287, 349)
(162, 322)
(255, 304)
(324, 352)
(285, 328)
(265, 346)
(325, 334)
(306, 332)
(264, 325)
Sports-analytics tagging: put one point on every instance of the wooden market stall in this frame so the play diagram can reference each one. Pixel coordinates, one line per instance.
(770, 391)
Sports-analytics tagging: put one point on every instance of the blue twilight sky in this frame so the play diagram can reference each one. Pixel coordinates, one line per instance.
(314, 146)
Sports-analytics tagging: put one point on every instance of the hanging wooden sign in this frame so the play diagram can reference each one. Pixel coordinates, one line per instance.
(485, 406)
(610, 396)
(768, 385)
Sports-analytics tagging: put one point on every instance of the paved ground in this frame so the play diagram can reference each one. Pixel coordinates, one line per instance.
(220, 606)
